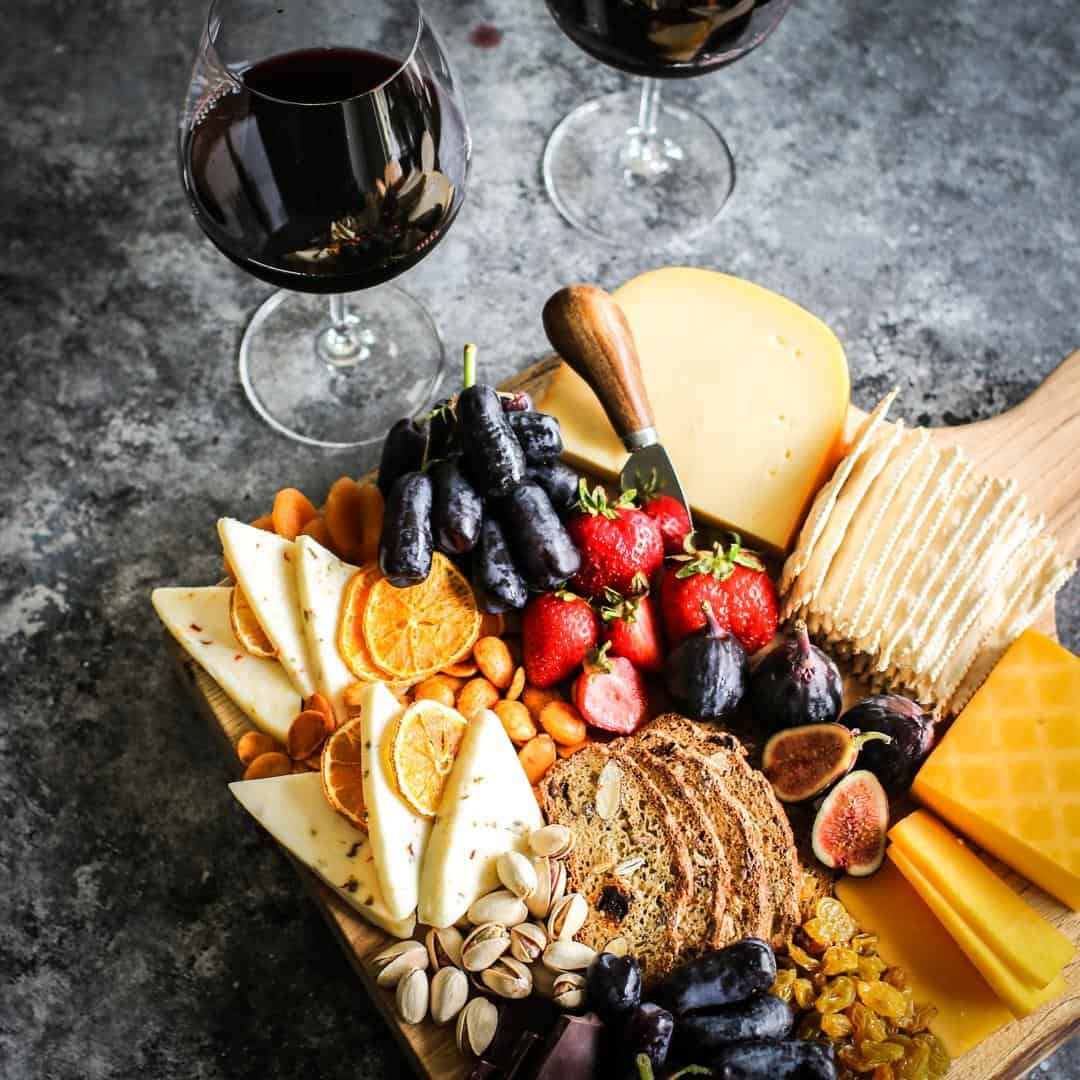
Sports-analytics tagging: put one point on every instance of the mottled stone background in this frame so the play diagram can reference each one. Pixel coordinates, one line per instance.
(909, 171)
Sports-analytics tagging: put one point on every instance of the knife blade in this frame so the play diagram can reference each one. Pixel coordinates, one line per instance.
(588, 329)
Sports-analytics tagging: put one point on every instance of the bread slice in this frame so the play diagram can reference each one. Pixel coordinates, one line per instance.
(749, 909)
(750, 787)
(702, 926)
(642, 903)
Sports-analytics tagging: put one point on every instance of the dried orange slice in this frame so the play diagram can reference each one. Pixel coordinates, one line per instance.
(416, 631)
(351, 642)
(342, 770)
(246, 627)
(422, 753)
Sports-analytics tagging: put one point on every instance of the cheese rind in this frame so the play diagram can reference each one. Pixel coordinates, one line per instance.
(264, 566)
(294, 810)
(321, 578)
(399, 836)
(1020, 937)
(911, 937)
(1007, 773)
(199, 621)
(1020, 999)
(750, 393)
(487, 808)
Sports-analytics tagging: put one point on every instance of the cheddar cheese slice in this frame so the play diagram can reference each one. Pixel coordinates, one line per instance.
(750, 393)
(1020, 999)
(1007, 773)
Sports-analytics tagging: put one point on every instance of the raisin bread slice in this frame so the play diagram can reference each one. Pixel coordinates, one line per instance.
(703, 920)
(629, 860)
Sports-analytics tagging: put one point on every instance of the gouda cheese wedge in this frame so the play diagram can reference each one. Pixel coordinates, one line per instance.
(750, 393)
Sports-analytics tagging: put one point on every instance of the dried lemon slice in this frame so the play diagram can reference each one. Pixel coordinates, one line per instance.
(422, 752)
(342, 770)
(417, 631)
(351, 643)
(246, 627)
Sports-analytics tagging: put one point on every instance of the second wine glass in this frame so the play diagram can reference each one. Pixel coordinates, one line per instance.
(324, 149)
(628, 167)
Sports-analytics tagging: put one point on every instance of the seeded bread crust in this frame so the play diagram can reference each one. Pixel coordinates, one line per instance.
(753, 790)
(645, 906)
(702, 924)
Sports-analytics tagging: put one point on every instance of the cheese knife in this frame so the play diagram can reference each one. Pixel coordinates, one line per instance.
(588, 329)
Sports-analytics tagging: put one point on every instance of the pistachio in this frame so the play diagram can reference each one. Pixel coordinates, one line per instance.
(617, 946)
(558, 882)
(527, 942)
(501, 907)
(568, 956)
(397, 960)
(517, 873)
(539, 900)
(568, 990)
(411, 996)
(552, 841)
(476, 1026)
(609, 791)
(484, 946)
(449, 992)
(509, 978)
(444, 947)
(568, 917)
(544, 981)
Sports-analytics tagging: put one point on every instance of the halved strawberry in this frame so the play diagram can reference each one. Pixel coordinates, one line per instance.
(610, 693)
(630, 626)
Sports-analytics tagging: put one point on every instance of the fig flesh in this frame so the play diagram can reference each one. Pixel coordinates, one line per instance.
(851, 823)
(911, 734)
(796, 684)
(804, 761)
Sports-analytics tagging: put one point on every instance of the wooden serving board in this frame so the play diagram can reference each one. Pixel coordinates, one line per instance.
(1036, 443)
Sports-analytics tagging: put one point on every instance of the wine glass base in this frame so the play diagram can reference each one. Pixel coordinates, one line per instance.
(624, 186)
(322, 387)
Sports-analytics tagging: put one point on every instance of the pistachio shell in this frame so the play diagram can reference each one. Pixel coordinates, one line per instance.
(444, 947)
(568, 956)
(568, 917)
(396, 961)
(527, 942)
(509, 978)
(411, 997)
(568, 990)
(501, 907)
(552, 841)
(484, 946)
(476, 1026)
(517, 873)
(449, 992)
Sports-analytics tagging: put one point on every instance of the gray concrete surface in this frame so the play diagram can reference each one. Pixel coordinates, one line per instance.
(909, 172)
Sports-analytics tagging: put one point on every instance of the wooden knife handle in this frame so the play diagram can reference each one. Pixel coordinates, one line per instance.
(589, 331)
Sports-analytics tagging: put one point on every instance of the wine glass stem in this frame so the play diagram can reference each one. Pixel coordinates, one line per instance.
(646, 155)
(343, 342)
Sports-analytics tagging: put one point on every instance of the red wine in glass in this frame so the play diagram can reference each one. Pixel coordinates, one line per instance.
(288, 176)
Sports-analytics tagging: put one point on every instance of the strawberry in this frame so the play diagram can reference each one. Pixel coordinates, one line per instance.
(668, 513)
(558, 630)
(732, 581)
(630, 626)
(610, 693)
(616, 541)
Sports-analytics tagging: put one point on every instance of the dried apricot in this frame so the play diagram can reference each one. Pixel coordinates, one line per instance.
(516, 721)
(494, 661)
(317, 530)
(307, 732)
(517, 684)
(537, 756)
(253, 743)
(318, 703)
(563, 723)
(292, 511)
(570, 751)
(347, 505)
(475, 696)
(463, 669)
(436, 688)
(266, 765)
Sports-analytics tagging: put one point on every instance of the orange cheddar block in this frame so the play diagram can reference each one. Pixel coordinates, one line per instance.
(1020, 999)
(1032, 950)
(911, 937)
(701, 335)
(1007, 773)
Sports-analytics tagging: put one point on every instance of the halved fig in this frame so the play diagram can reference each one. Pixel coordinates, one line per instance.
(802, 762)
(851, 823)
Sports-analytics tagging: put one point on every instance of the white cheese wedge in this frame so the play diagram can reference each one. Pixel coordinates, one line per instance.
(487, 808)
(321, 578)
(399, 836)
(294, 810)
(264, 567)
(199, 620)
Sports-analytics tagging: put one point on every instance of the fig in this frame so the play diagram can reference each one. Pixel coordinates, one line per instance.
(706, 672)
(795, 684)
(851, 823)
(910, 729)
(801, 762)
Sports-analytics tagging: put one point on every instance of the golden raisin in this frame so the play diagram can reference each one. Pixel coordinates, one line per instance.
(836, 1025)
(916, 1063)
(897, 977)
(870, 968)
(866, 1023)
(883, 1072)
(837, 996)
(939, 1059)
(839, 959)
(803, 992)
(802, 958)
(884, 999)
(782, 986)
(865, 944)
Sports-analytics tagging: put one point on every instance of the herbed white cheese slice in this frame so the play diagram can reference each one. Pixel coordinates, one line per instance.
(265, 569)
(321, 578)
(399, 836)
(294, 810)
(199, 620)
(487, 808)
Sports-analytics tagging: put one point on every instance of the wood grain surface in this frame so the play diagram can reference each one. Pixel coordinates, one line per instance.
(1036, 444)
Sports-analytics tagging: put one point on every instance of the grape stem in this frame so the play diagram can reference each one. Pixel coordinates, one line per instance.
(470, 366)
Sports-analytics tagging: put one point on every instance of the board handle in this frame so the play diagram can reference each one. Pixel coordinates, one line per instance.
(589, 331)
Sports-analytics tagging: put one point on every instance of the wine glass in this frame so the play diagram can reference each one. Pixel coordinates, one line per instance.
(324, 148)
(628, 167)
